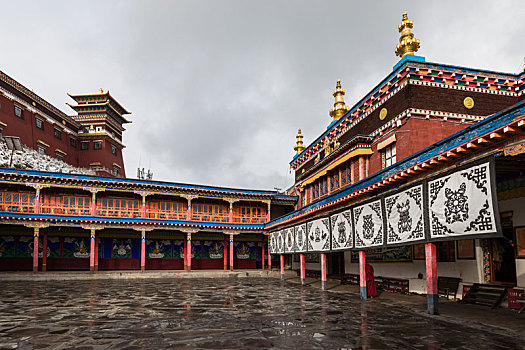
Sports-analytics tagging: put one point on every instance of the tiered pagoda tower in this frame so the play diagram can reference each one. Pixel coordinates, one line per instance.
(101, 118)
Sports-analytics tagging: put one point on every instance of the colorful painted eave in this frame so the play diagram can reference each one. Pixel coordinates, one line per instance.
(128, 221)
(111, 183)
(428, 72)
(495, 128)
(111, 99)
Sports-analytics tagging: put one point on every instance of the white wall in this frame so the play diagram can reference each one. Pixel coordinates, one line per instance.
(517, 205)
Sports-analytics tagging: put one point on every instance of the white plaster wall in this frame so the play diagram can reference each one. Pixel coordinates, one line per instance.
(517, 205)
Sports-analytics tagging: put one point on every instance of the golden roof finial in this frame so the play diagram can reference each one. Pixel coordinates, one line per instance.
(101, 91)
(340, 108)
(408, 45)
(299, 147)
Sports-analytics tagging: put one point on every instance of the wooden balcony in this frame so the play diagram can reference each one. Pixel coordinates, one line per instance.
(249, 219)
(210, 217)
(17, 202)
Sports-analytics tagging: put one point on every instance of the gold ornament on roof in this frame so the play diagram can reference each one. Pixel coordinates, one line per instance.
(408, 44)
(299, 147)
(340, 108)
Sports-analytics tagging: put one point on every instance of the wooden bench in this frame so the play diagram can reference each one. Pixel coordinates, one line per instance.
(448, 286)
(521, 300)
(350, 278)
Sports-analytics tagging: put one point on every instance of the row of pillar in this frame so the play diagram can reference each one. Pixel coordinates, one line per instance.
(431, 272)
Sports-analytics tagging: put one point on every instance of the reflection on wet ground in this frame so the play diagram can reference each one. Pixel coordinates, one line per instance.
(217, 314)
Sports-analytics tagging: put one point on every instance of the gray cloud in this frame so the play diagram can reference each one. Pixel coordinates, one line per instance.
(219, 88)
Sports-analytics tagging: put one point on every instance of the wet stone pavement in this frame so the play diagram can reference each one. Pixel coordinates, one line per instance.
(218, 314)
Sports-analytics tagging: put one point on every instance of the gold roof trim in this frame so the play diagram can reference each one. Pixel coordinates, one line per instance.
(408, 44)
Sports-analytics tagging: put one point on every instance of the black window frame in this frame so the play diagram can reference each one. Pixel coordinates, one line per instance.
(95, 143)
(37, 119)
(58, 133)
(73, 142)
(17, 107)
(113, 149)
(82, 147)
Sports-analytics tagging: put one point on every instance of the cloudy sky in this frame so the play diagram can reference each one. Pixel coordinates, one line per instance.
(217, 89)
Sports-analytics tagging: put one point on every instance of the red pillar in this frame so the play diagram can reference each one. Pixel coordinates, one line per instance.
(188, 250)
(282, 267)
(189, 213)
(92, 251)
(143, 251)
(96, 251)
(44, 253)
(230, 216)
(269, 258)
(263, 252)
(93, 209)
(37, 202)
(361, 168)
(432, 291)
(35, 250)
(231, 251)
(362, 274)
(225, 253)
(268, 213)
(185, 253)
(303, 269)
(143, 207)
(323, 271)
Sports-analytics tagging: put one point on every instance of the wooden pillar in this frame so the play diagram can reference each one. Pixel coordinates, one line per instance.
(92, 251)
(432, 291)
(361, 168)
(36, 209)
(282, 266)
(96, 251)
(35, 249)
(231, 251)
(185, 255)
(323, 271)
(188, 250)
(143, 207)
(362, 274)
(303, 269)
(44, 253)
(263, 252)
(268, 213)
(230, 215)
(189, 212)
(225, 253)
(93, 209)
(143, 251)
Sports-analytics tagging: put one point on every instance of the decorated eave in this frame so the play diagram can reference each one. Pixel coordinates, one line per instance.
(99, 97)
(481, 137)
(126, 222)
(96, 108)
(36, 99)
(330, 161)
(413, 70)
(135, 185)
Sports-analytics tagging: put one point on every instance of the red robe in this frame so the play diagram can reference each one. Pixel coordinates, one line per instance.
(371, 290)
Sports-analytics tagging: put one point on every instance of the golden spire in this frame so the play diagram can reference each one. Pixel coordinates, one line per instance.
(340, 108)
(408, 45)
(299, 147)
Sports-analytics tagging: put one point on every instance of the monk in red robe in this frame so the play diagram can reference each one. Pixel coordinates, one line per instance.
(371, 290)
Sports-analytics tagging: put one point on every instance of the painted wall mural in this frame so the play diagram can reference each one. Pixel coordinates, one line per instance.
(7, 246)
(76, 247)
(369, 230)
(289, 240)
(280, 242)
(121, 248)
(342, 230)
(404, 216)
(158, 248)
(244, 250)
(213, 250)
(318, 233)
(461, 203)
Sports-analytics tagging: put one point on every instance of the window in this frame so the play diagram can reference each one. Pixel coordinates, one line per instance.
(334, 181)
(346, 177)
(84, 145)
(19, 112)
(73, 142)
(97, 144)
(115, 170)
(113, 150)
(60, 156)
(388, 155)
(58, 134)
(41, 149)
(39, 123)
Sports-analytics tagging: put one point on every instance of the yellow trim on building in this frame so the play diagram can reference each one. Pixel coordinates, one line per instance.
(354, 153)
(43, 143)
(3, 124)
(390, 140)
(58, 150)
(96, 163)
(118, 166)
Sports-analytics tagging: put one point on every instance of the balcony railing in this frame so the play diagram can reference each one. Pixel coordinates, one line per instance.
(210, 217)
(165, 214)
(119, 212)
(56, 209)
(17, 202)
(249, 219)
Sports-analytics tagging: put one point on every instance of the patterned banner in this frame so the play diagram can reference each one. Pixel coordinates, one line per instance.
(342, 230)
(289, 240)
(280, 242)
(318, 232)
(300, 238)
(272, 241)
(404, 216)
(368, 223)
(461, 203)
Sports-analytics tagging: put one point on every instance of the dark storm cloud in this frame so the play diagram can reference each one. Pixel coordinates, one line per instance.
(219, 88)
